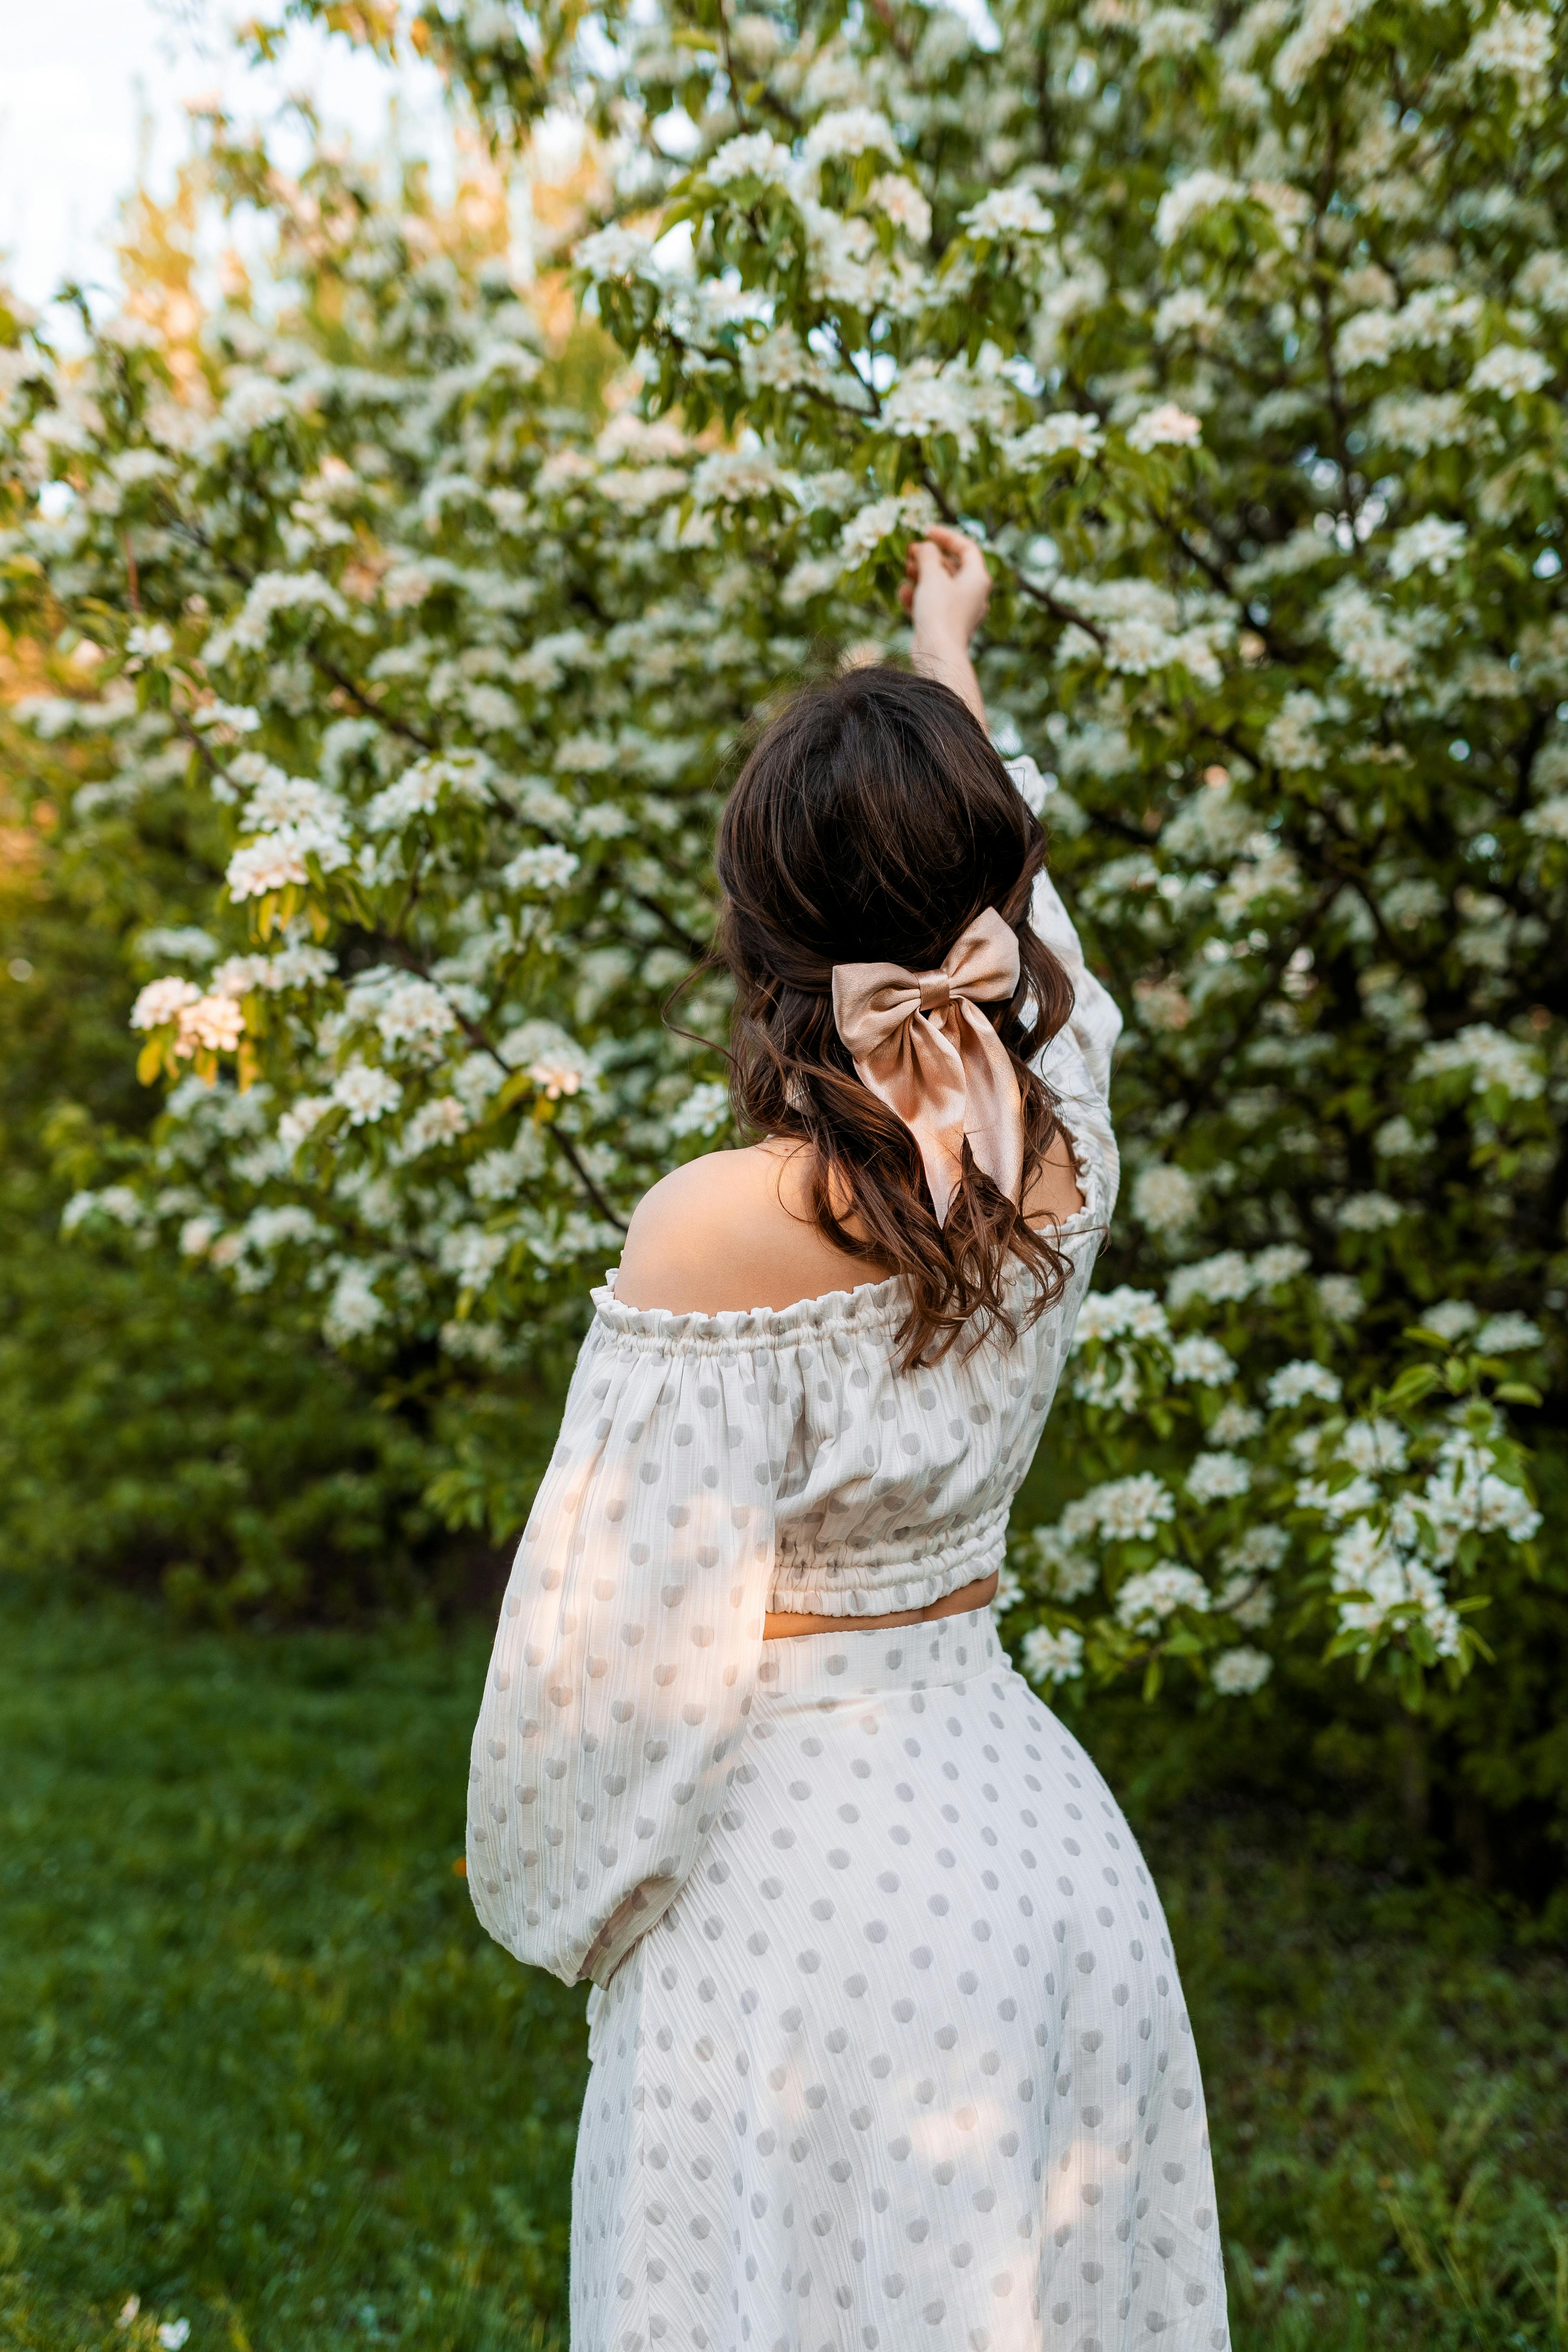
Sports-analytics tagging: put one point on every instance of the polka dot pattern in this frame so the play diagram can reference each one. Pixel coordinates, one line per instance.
(888, 2045)
(931, 2084)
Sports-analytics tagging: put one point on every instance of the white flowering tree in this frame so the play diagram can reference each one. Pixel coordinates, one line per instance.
(374, 598)
(1239, 341)
(1232, 338)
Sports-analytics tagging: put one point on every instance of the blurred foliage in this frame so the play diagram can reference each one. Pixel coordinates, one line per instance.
(153, 1427)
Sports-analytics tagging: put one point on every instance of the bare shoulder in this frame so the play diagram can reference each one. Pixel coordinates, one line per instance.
(727, 1232)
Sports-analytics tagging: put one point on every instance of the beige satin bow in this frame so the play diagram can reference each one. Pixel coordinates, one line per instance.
(917, 1043)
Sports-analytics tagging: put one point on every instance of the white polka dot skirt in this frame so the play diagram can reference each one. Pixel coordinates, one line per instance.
(905, 2064)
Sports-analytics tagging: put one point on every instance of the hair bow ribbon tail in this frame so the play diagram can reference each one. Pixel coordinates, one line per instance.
(921, 1045)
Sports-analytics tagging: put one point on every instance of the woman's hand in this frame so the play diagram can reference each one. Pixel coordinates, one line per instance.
(945, 590)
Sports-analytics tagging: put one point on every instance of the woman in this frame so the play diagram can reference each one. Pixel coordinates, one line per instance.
(888, 2045)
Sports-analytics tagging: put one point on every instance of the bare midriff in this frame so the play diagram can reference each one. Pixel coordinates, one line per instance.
(780, 1625)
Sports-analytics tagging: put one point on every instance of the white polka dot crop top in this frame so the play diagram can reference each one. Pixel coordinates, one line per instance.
(710, 1467)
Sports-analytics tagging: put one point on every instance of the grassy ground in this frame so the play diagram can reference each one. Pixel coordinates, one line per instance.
(260, 2067)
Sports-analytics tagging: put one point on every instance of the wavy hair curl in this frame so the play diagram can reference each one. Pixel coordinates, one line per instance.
(872, 820)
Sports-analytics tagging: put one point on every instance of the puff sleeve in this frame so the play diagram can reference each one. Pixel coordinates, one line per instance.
(1076, 1064)
(629, 1639)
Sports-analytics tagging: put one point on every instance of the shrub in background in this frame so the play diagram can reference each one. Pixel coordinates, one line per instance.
(1236, 340)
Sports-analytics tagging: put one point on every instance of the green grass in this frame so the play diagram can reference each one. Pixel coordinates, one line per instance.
(259, 2066)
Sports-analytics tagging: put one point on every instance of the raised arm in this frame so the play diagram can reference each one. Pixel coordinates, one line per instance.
(945, 590)
(628, 1643)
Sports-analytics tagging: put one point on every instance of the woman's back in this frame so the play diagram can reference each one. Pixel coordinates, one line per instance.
(886, 2034)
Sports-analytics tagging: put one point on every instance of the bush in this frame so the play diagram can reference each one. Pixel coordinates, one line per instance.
(1229, 341)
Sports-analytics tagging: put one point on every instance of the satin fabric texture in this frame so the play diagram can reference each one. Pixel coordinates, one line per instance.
(922, 1047)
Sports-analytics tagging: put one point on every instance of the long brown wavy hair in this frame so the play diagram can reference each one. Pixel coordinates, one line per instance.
(871, 821)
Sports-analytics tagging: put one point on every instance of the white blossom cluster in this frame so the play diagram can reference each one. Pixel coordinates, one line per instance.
(439, 658)
(1280, 1480)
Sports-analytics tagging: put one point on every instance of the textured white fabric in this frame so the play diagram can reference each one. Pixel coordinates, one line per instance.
(662, 1801)
(710, 1467)
(906, 2066)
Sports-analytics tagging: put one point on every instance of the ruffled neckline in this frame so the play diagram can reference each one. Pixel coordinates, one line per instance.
(867, 1303)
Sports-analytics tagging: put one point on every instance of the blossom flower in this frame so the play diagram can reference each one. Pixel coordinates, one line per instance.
(1293, 1383)
(1128, 1510)
(301, 1117)
(1323, 22)
(1291, 738)
(440, 1120)
(162, 1001)
(1465, 1491)
(269, 597)
(1376, 1444)
(554, 1076)
(1450, 1317)
(755, 155)
(911, 511)
(1250, 1604)
(1213, 1280)
(1203, 1363)
(172, 2333)
(1009, 1590)
(1232, 1424)
(422, 788)
(850, 131)
(1367, 1212)
(117, 1201)
(1166, 426)
(1260, 1550)
(1336, 1503)
(1500, 1334)
(1007, 213)
(412, 1015)
(1369, 640)
(275, 1227)
(1431, 543)
(472, 1254)
(1340, 1298)
(1122, 1312)
(955, 400)
(1050, 1658)
(355, 1309)
(1144, 1602)
(1517, 42)
(1059, 1568)
(1421, 422)
(585, 755)
(549, 868)
(1173, 33)
(1189, 199)
(1188, 311)
(1238, 1672)
(1510, 372)
(1064, 432)
(278, 860)
(611, 253)
(366, 1094)
(295, 800)
(1218, 1477)
(1165, 1198)
(1375, 1579)
(212, 1024)
(1493, 1059)
(474, 1343)
(1550, 820)
(731, 477)
(812, 576)
(704, 1112)
(897, 197)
